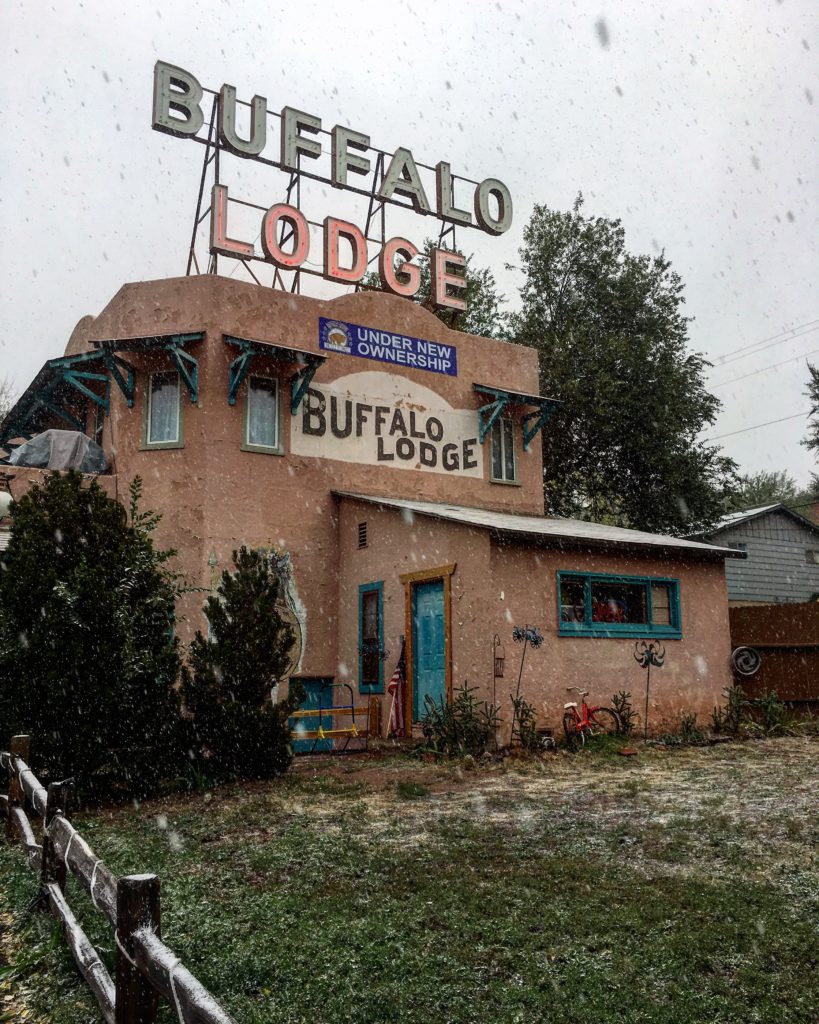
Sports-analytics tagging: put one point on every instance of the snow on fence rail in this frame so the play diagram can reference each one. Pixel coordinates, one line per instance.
(145, 967)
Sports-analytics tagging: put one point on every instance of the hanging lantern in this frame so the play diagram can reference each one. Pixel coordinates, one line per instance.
(500, 656)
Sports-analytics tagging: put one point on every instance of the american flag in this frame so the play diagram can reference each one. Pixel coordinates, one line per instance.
(395, 688)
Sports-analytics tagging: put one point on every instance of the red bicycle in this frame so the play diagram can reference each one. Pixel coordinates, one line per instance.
(589, 721)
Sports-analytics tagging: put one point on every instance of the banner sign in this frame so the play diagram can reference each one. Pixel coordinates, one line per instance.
(378, 419)
(386, 347)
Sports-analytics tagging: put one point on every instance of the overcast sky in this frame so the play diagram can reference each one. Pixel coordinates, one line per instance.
(695, 123)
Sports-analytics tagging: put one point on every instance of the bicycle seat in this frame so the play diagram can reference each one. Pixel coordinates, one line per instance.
(583, 693)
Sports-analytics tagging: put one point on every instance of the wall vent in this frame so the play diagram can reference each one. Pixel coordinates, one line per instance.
(362, 535)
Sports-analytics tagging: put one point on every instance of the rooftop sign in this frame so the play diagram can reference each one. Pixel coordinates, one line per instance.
(300, 146)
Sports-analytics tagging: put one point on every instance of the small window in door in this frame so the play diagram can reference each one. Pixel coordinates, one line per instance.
(370, 638)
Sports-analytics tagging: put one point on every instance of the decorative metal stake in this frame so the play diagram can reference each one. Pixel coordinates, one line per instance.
(647, 654)
(529, 636)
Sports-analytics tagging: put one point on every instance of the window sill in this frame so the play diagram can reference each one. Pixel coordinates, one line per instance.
(615, 632)
(505, 483)
(147, 446)
(260, 449)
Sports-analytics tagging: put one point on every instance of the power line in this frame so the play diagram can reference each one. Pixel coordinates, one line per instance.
(773, 337)
(761, 347)
(756, 426)
(765, 369)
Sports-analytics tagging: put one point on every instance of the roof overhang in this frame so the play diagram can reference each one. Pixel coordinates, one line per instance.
(306, 365)
(553, 532)
(503, 398)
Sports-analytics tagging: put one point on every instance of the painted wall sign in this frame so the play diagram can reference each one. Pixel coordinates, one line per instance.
(393, 179)
(380, 419)
(386, 347)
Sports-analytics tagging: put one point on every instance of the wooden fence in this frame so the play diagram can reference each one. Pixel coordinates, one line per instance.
(786, 638)
(145, 967)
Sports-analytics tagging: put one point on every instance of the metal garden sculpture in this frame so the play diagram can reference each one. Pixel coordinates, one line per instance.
(529, 636)
(647, 654)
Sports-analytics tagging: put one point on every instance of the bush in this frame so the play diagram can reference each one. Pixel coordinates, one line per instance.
(729, 718)
(768, 714)
(462, 726)
(525, 726)
(238, 731)
(88, 660)
(621, 702)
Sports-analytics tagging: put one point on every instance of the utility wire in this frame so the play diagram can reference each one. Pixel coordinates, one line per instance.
(764, 369)
(744, 355)
(756, 426)
(773, 337)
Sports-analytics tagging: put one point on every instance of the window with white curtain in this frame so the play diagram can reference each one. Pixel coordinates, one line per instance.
(262, 416)
(503, 451)
(163, 420)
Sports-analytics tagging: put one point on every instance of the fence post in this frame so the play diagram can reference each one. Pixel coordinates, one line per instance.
(20, 747)
(58, 802)
(137, 907)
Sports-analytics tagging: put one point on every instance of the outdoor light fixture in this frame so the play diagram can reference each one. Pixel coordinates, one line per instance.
(500, 656)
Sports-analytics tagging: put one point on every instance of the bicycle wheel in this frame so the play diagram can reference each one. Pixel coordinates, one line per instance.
(574, 734)
(604, 721)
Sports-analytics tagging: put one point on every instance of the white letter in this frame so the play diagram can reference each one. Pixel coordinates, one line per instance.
(344, 139)
(184, 98)
(494, 225)
(402, 177)
(445, 195)
(293, 142)
(227, 123)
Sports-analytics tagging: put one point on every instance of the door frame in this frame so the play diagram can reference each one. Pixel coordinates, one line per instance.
(410, 579)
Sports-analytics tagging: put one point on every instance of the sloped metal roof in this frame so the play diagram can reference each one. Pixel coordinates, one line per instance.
(735, 518)
(573, 530)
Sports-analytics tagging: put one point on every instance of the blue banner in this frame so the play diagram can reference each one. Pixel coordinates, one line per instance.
(371, 343)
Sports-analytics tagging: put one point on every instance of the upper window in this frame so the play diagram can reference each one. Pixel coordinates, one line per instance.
(629, 606)
(812, 556)
(262, 415)
(503, 451)
(371, 637)
(163, 422)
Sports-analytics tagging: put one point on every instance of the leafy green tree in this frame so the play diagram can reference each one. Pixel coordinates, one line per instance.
(612, 340)
(88, 660)
(811, 442)
(483, 315)
(227, 687)
(763, 488)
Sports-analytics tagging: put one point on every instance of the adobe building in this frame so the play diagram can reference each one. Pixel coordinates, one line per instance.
(393, 467)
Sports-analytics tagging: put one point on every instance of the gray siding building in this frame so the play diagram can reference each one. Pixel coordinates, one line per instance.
(782, 555)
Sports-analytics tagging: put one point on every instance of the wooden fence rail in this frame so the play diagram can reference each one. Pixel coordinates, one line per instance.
(145, 967)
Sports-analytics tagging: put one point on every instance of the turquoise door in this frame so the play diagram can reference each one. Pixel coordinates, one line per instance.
(428, 645)
(312, 686)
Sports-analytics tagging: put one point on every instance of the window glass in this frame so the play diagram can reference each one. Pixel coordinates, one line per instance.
(503, 450)
(572, 601)
(508, 450)
(497, 451)
(594, 605)
(163, 408)
(660, 604)
(370, 637)
(263, 413)
(618, 602)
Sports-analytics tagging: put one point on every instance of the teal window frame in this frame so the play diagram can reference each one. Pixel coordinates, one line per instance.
(626, 630)
(370, 588)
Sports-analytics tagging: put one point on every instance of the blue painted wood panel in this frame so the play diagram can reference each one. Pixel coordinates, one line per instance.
(428, 645)
(313, 686)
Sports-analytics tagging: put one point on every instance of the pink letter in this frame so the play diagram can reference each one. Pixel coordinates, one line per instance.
(440, 278)
(386, 267)
(300, 233)
(333, 271)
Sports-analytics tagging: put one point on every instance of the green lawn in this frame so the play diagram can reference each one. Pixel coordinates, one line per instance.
(677, 886)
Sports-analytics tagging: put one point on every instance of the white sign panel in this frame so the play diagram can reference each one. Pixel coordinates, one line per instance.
(378, 419)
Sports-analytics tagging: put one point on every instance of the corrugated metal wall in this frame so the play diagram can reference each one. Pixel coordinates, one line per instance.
(777, 567)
